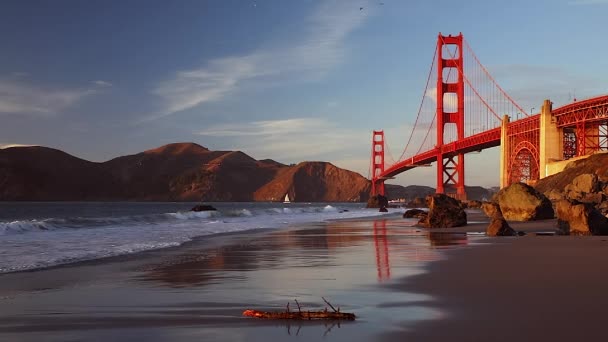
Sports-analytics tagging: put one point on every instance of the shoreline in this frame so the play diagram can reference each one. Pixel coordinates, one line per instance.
(227, 221)
(202, 288)
(402, 282)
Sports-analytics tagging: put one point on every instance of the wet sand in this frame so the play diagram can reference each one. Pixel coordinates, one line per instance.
(531, 288)
(403, 283)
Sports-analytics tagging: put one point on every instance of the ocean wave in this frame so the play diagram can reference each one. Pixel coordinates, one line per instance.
(16, 227)
(31, 244)
(189, 215)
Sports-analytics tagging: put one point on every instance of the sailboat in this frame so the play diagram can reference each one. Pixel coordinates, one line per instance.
(286, 200)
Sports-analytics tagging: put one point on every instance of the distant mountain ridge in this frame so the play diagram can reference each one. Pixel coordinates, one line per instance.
(174, 172)
(183, 172)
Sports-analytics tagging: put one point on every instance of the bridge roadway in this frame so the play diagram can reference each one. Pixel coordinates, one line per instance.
(589, 110)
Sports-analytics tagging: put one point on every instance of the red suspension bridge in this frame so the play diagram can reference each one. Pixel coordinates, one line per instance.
(463, 109)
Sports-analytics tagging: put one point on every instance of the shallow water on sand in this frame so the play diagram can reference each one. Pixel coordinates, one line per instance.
(197, 292)
(38, 235)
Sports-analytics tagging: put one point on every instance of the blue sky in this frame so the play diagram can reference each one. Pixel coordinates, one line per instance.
(288, 80)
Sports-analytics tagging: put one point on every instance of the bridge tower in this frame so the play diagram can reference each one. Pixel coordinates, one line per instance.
(377, 163)
(450, 166)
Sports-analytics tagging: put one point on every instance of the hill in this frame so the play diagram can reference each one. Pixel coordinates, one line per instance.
(412, 191)
(174, 172)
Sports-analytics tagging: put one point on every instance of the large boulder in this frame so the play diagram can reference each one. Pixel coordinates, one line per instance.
(444, 212)
(377, 201)
(417, 213)
(582, 185)
(498, 225)
(521, 202)
(575, 218)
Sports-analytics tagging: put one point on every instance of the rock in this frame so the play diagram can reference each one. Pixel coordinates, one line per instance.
(554, 195)
(383, 210)
(603, 208)
(377, 201)
(498, 225)
(414, 213)
(203, 207)
(593, 198)
(521, 202)
(444, 212)
(586, 183)
(580, 219)
(417, 202)
(492, 209)
(582, 185)
(474, 204)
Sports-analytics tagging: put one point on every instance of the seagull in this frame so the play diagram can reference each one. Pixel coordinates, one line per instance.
(360, 8)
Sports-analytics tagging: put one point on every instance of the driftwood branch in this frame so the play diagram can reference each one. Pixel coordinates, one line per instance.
(302, 315)
(305, 315)
(331, 306)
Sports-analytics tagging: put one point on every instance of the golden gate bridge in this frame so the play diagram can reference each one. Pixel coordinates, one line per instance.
(463, 109)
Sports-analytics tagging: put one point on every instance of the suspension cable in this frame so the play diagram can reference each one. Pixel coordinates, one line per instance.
(421, 105)
(493, 80)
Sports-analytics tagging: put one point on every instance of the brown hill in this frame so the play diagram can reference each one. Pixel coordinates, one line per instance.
(45, 174)
(174, 172)
(597, 163)
(315, 182)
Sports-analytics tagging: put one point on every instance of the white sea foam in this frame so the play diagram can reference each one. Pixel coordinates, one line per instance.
(31, 244)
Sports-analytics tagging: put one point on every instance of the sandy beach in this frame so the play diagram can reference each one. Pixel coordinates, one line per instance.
(531, 288)
(403, 283)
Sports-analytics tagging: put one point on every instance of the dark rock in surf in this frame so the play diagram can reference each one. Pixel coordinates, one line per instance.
(444, 212)
(411, 213)
(203, 207)
(377, 201)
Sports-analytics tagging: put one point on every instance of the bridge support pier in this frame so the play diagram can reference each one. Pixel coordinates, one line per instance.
(551, 139)
(504, 151)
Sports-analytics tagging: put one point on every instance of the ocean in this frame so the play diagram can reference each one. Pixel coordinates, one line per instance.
(37, 235)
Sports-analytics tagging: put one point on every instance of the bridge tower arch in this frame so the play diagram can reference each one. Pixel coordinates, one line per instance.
(450, 167)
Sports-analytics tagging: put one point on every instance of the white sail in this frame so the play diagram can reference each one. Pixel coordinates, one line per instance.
(286, 200)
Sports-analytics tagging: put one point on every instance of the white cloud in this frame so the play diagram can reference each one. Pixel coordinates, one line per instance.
(307, 57)
(102, 83)
(292, 139)
(3, 146)
(21, 97)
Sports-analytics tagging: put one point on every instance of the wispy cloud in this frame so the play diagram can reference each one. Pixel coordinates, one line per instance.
(307, 57)
(290, 139)
(3, 146)
(17, 96)
(102, 83)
